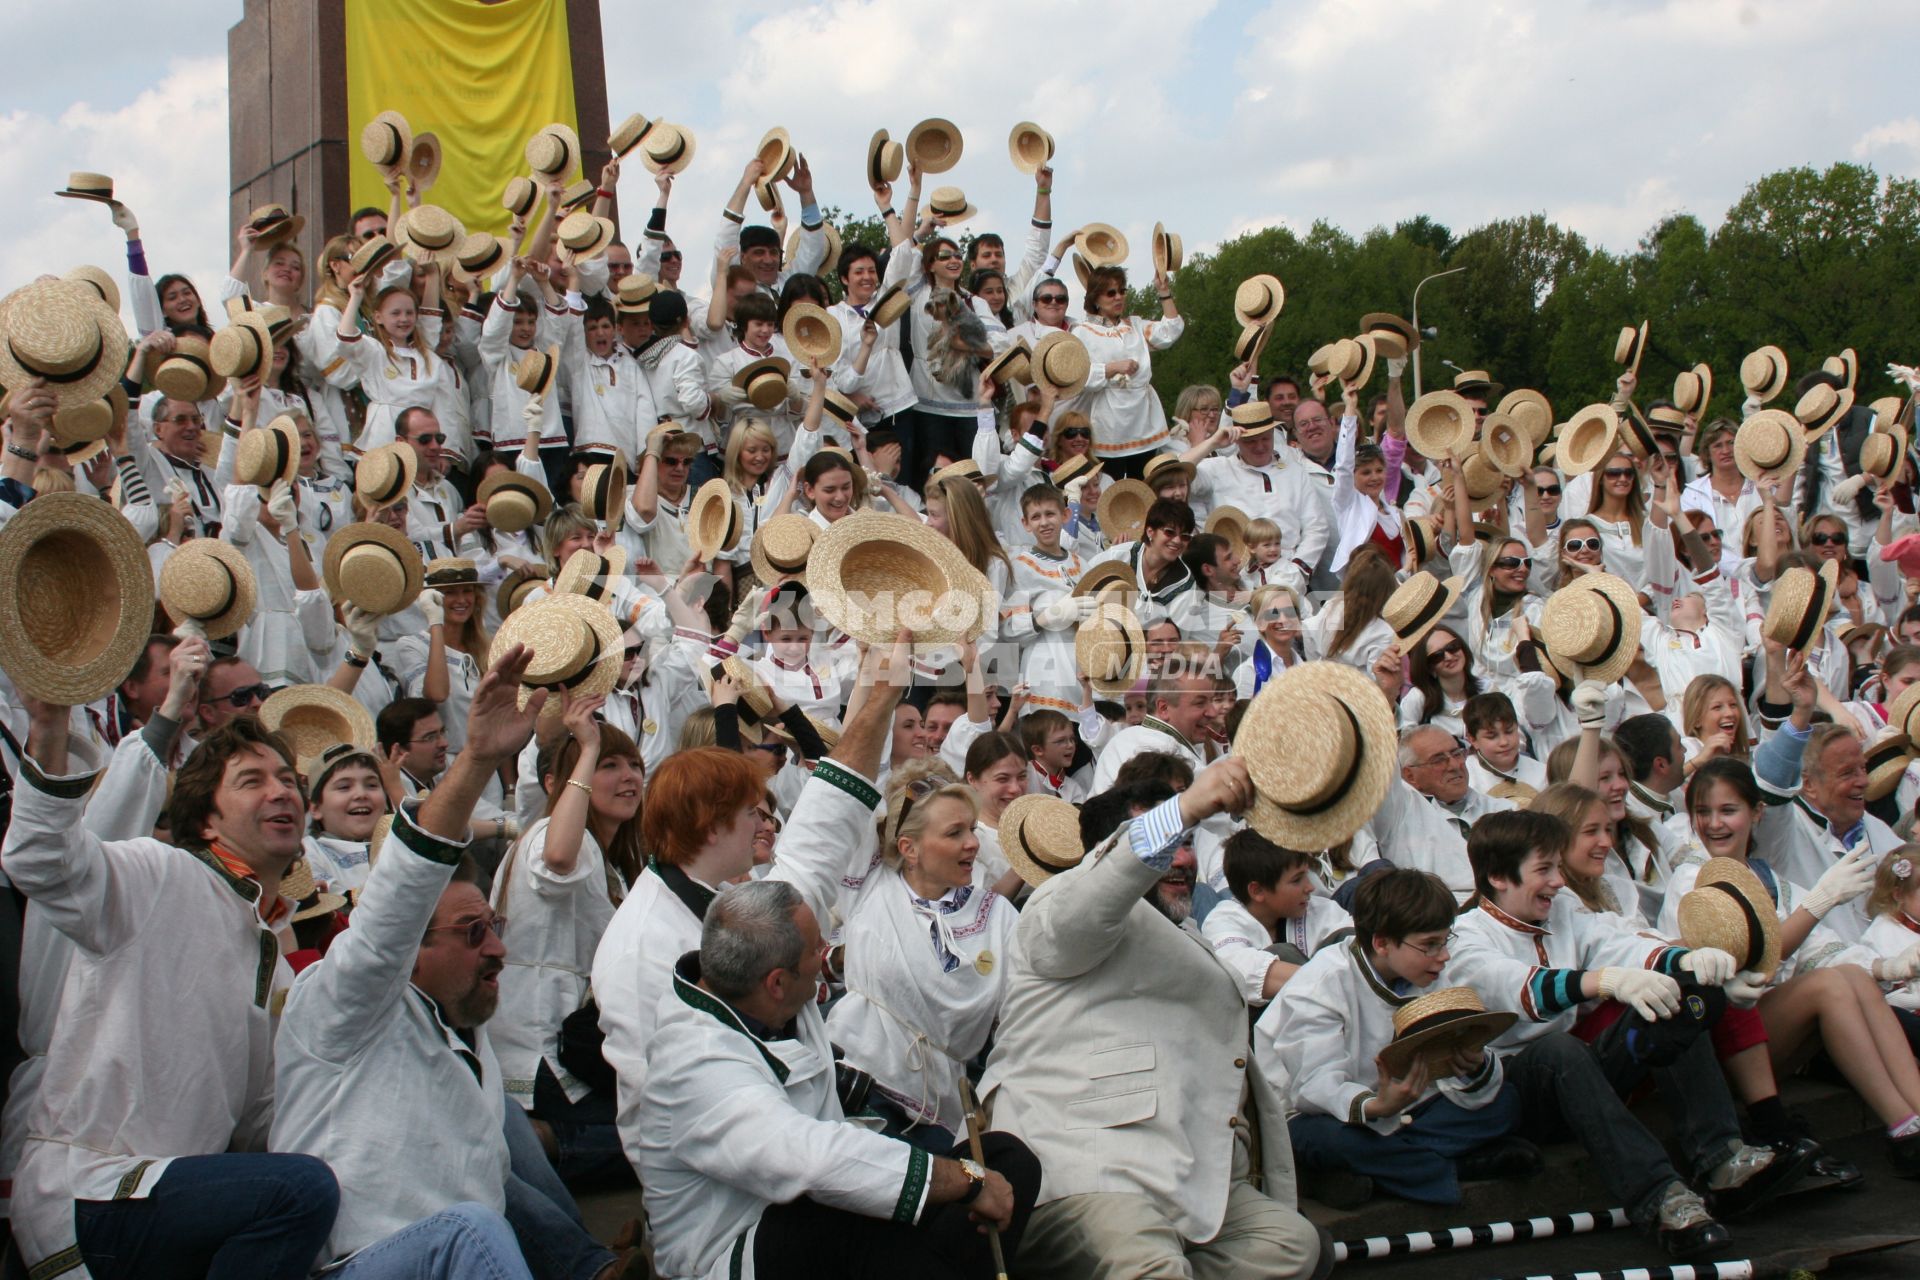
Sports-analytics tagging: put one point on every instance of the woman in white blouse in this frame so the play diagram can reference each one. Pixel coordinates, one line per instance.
(394, 362)
(996, 769)
(928, 945)
(1128, 422)
(445, 665)
(559, 887)
(1619, 515)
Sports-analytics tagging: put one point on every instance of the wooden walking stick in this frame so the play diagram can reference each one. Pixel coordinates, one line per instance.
(972, 1105)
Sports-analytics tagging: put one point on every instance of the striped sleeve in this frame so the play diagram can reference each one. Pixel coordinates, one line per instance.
(1550, 992)
(133, 484)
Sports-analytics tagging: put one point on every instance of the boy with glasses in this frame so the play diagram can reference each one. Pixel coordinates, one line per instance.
(1531, 949)
(1416, 1129)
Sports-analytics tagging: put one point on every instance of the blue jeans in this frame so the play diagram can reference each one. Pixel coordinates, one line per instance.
(467, 1242)
(1416, 1161)
(553, 1237)
(585, 1131)
(223, 1217)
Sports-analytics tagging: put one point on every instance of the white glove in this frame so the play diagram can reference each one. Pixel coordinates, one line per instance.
(431, 604)
(1842, 882)
(1590, 703)
(362, 628)
(1746, 988)
(175, 488)
(1067, 611)
(1653, 995)
(1902, 373)
(533, 415)
(1750, 406)
(1396, 367)
(282, 506)
(190, 627)
(1073, 489)
(1901, 968)
(1848, 489)
(1710, 965)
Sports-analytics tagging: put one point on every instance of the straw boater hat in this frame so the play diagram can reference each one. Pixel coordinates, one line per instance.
(764, 381)
(781, 547)
(1011, 365)
(1393, 337)
(275, 225)
(515, 588)
(756, 700)
(1436, 1025)
(1730, 910)
(188, 373)
(812, 333)
(1845, 366)
(1692, 388)
(577, 195)
(885, 158)
(935, 144)
(591, 575)
(373, 254)
(1764, 373)
(775, 154)
(889, 305)
(535, 371)
(667, 148)
(1040, 836)
(1230, 523)
(313, 717)
(62, 331)
(965, 469)
(1101, 244)
(76, 598)
(309, 899)
(1590, 437)
(243, 348)
(582, 236)
(1030, 146)
(1439, 423)
(1770, 446)
(1903, 713)
(1591, 627)
(1630, 347)
(372, 566)
(553, 151)
(513, 501)
(88, 186)
(631, 133)
(1254, 418)
(1821, 408)
(1417, 605)
(1079, 467)
(208, 582)
(635, 291)
(1887, 758)
(428, 233)
(1505, 445)
(949, 205)
(1258, 299)
(386, 475)
(1110, 647)
(577, 647)
(520, 196)
(835, 246)
(1881, 451)
(1109, 573)
(1123, 510)
(1481, 478)
(1168, 252)
(387, 140)
(1422, 535)
(481, 254)
(713, 520)
(840, 408)
(1637, 434)
(1531, 412)
(271, 453)
(77, 428)
(1083, 269)
(1251, 342)
(1476, 382)
(1162, 467)
(1060, 361)
(603, 493)
(1320, 745)
(871, 574)
(1888, 411)
(1801, 602)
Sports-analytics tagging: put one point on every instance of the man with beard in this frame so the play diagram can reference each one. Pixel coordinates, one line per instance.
(383, 1065)
(1121, 1061)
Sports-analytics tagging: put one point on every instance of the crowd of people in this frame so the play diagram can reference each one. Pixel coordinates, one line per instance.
(818, 739)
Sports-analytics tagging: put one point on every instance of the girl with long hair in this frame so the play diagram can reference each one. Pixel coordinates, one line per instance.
(1442, 679)
(1276, 611)
(1619, 515)
(394, 361)
(1641, 867)
(1352, 630)
(445, 665)
(1713, 722)
(996, 770)
(957, 512)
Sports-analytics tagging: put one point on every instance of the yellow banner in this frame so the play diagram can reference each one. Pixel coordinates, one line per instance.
(483, 78)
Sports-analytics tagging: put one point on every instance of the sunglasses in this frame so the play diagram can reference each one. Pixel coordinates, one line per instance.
(1051, 299)
(945, 255)
(1113, 293)
(1580, 544)
(475, 930)
(1548, 490)
(244, 695)
(1827, 539)
(676, 462)
(669, 255)
(1619, 473)
(430, 438)
(1077, 433)
(1451, 649)
(777, 750)
(1711, 535)
(1514, 562)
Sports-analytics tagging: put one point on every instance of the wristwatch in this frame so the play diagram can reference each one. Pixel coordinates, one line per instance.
(976, 1179)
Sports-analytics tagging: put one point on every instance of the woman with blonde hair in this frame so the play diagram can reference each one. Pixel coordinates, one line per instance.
(928, 945)
(1276, 611)
(1591, 864)
(1196, 412)
(1713, 722)
(1070, 437)
(957, 512)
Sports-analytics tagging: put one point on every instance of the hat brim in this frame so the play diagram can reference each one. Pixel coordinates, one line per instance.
(503, 481)
(1612, 665)
(760, 553)
(713, 520)
(527, 624)
(1459, 1033)
(76, 598)
(1438, 423)
(872, 574)
(1717, 920)
(361, 534)
(313, 717)
(1123, 509)
(1294, 718)
(935, 144)
(1035, 831)
(239, 603)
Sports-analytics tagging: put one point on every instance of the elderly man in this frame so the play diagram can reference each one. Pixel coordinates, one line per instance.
(1265, 486)
(748, 1161)
(384, 1069)
(1430, 808)
(175, 463)
(1121, 1060)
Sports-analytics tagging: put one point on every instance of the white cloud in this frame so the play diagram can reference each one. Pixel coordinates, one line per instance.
(1900, 137)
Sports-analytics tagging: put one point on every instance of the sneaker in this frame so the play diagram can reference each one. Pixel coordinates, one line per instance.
(1752, 1176)
(1508, 1157)
(1827, 1169)
(1904, 1155)
(1336, 1188)
(1684, 1226)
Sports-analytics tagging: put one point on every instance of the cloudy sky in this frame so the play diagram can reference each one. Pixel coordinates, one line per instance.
(1216, 117)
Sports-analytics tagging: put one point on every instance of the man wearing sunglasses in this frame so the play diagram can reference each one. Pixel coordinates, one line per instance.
(437, 521)
(230, 687)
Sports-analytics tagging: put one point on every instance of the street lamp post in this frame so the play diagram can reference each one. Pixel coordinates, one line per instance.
(1416, 322)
